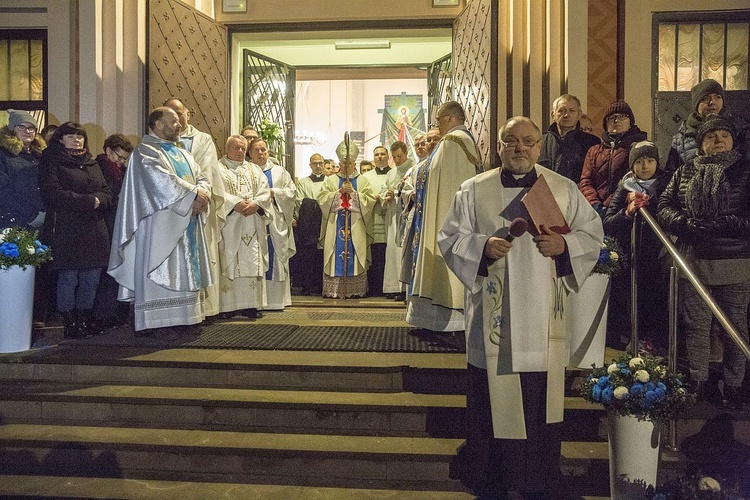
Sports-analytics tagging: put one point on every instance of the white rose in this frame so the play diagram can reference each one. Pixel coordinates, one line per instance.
(613, 368)
(613, 256)
(707, 483)
(30, 250)
(642, 376)
(661, 370)
(635, 362)
(620, 392)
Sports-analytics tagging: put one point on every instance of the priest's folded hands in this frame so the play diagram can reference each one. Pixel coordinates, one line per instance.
(549, 243)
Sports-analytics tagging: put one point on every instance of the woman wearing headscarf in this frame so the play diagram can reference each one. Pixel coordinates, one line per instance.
(77, 198)
(707, 206)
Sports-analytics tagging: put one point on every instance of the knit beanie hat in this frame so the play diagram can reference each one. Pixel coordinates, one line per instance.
(711, 123)
(618, 107)
(643, 149)
(18, 117)
(702, 89)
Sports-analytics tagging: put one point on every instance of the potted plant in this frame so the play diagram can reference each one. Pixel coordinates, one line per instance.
(272, 134)
(20, 253)
(640, 396)
(587, 317)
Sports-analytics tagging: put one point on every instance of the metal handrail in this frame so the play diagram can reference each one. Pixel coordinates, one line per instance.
(679, 265)
(687, 271)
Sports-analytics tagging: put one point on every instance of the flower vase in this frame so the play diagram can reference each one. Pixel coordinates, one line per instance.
(633, 455)
(16, 308)
(586, 316)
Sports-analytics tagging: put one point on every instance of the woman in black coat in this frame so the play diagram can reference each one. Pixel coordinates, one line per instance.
(76, 197)
(707, 206)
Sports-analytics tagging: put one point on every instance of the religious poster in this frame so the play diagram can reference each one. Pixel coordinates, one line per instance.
(403, 120)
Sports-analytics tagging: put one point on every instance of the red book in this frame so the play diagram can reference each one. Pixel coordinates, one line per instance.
(543, 208)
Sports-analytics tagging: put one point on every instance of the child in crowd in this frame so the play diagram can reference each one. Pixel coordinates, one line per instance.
(639, 188)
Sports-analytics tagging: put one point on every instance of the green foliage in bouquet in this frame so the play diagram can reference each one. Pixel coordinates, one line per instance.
(639, 386)
(21, 247)
(611, 258)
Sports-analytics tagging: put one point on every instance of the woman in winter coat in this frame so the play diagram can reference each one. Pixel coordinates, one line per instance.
(707, 206)
(77, 197)
(607, 162)
(20, 148)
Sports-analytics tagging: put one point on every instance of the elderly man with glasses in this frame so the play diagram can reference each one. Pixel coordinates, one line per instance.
(516, 326)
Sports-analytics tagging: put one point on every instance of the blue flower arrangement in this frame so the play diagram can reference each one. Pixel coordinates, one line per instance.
(640, 386)
(21, 247)
(611, 258)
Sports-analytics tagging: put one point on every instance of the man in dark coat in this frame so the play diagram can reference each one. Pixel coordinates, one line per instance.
(565, 144)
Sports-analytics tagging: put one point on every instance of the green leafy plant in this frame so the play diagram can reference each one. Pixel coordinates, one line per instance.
(271, 133)
(21, 247)
(640, 386)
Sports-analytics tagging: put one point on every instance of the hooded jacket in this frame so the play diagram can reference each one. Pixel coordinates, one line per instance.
(20, 199)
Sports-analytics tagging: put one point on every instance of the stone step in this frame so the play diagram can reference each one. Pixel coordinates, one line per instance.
(234, 457)
(137, 489)
(303, 370)
(394, 414)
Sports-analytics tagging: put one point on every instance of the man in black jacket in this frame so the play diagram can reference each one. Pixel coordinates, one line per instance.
(564, 146)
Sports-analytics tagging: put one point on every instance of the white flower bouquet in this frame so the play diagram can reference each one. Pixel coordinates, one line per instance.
(21, 247)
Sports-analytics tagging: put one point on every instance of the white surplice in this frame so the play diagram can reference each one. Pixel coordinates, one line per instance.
(278, 288)
(391, 277)
(243, 248)
(515, 315)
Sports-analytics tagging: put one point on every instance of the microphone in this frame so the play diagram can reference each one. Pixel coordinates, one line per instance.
(516, 229)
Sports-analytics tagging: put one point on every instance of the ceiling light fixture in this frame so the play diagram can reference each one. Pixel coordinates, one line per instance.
(362, 44)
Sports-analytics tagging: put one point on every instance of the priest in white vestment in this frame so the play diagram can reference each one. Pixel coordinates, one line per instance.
(245, 201)
(434, 295)
(201, 146)
(515, 309)
(346, 201)
(281, 239)
(377, 178)
(159, 256)
(392, 286)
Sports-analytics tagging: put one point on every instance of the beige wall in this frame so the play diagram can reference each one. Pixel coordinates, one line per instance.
(638, 70)
(96, 56)
(300, 11)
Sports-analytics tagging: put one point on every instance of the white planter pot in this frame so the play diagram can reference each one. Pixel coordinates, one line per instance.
(586, 317)
(16, 308)
(633, 456)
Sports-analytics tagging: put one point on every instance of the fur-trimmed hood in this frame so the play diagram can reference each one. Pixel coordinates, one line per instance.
(13, 145)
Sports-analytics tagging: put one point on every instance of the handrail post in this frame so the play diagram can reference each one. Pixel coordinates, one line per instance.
(634, 231)
(674, 274)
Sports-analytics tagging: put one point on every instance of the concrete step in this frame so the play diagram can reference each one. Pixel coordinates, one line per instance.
(394, 414)
(138, 489)
(303, 370)
(235, 457)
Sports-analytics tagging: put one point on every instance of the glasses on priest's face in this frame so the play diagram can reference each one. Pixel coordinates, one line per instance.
(513, 143)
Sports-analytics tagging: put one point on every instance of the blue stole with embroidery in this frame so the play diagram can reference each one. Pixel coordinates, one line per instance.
(182, 169)
(420, 190)
(269, 273)
(341, 230)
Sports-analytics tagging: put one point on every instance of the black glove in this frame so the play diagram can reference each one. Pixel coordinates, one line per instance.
(730, 225)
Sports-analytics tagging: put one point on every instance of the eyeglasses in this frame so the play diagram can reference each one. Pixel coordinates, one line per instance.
(617, 117)
(514, 143)
(30, 129)
(317, 163)
(120, 157)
